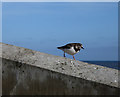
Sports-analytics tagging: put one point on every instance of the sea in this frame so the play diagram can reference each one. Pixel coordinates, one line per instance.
(110, 64)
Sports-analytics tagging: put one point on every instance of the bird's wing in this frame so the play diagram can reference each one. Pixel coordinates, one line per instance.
(68, 46)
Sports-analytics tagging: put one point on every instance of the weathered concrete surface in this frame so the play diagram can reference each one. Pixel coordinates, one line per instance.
(62, 65)
(24, 79)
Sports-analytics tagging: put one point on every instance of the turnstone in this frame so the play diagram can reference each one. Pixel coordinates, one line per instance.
(71, 48)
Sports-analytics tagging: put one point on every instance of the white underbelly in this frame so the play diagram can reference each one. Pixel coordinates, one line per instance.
(70, 51)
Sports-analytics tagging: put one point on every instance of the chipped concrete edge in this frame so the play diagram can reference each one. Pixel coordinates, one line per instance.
(91, 72)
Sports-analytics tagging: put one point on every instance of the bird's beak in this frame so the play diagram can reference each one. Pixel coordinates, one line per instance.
(82, 47)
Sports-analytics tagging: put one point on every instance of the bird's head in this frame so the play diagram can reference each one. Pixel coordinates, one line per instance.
(80, 46)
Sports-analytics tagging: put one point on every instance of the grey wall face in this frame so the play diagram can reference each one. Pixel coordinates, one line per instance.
(24, 79)
(0, 77)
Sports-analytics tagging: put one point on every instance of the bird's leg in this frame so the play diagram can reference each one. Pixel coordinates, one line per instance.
(73, 57)
(64, 54)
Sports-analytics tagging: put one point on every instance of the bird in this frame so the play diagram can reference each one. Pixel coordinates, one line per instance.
(71, 48)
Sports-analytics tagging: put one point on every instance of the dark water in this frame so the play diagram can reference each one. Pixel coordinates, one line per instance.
(110, 64)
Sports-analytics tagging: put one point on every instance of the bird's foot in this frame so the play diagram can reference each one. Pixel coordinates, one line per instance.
(64, 54)
(73, 57)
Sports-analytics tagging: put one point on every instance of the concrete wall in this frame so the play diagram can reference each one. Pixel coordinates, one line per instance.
(0, 77)
(24, 79)
(47, 74)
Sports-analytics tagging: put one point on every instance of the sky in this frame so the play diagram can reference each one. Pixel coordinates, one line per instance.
(43, 26)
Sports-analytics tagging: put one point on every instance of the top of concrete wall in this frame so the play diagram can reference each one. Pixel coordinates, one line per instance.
(59, 64)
